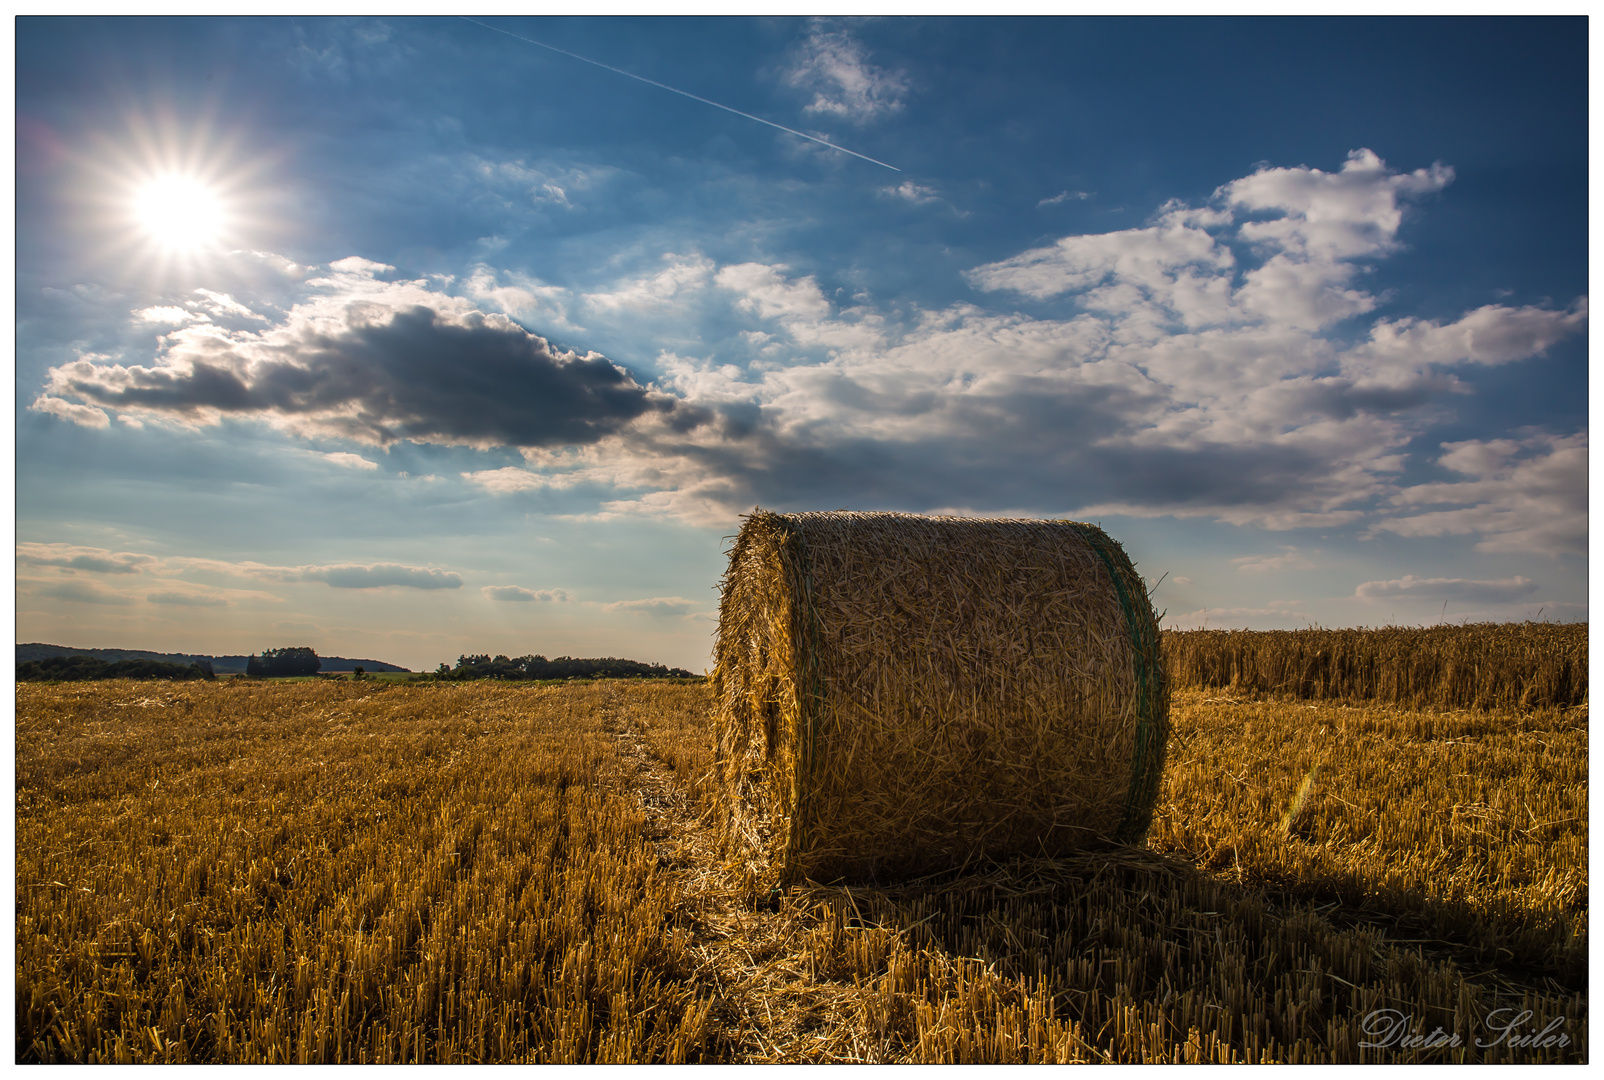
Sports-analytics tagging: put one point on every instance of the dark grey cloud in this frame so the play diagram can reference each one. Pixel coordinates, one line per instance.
(1056, 476)
(1040, 448)
(1342, 399)
(462, 378)
(1214, 476)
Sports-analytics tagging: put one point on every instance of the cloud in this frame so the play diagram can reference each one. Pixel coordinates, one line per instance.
(656, 605)
(542, 186)
(682, 277)
(553, 194)
(1521, 495)
(380, 575)
(336, 575)
(766, 292)
(83, 592)
(376, 362)
(834, 67)
(280, 265)
(187, 599)
(73, 558)
(1160, 260)
(1215, 362)
(518, 594)
(522, 297)
(341, 49)
(95, 560)
(1320, 224)
(1063, 196)
(357, 266)
(184, 593)
(1261, 564)
(71, 411)
(911, 192)
(349, 461)
(1343, 215)
(1500, 591)
(797, 304)
(1276, 613)
(510, 480)
(171, 315)
(970, 408)
(1488, 336)
(225, 306)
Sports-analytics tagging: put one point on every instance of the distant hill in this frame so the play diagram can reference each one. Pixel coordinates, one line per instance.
(222, 665)
(340, 663)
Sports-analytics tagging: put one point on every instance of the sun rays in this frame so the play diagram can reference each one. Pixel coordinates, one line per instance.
(167, 197)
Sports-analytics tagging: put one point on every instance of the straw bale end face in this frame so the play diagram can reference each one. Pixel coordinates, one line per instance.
(899, 694)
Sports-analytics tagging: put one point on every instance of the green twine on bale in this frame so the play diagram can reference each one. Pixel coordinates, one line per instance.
(1152, 724)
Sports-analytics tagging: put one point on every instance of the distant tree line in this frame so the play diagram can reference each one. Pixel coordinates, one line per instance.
(278, 663)
(76, 668)
(564, 667)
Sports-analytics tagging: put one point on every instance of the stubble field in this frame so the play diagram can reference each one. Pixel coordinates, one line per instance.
(350, 872)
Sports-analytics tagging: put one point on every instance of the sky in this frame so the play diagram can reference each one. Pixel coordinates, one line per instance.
(409, 338)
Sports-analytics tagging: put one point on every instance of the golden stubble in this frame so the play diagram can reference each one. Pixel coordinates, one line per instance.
(337, 872)
(242, 872)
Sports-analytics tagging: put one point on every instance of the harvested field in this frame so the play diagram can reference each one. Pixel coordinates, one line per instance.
(354, 872)
(249, 872)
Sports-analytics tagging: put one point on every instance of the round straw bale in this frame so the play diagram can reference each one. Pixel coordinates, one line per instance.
(900, 695)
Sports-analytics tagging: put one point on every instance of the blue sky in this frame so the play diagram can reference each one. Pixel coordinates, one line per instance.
(403, 338)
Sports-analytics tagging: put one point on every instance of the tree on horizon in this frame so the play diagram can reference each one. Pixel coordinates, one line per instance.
(279, 663)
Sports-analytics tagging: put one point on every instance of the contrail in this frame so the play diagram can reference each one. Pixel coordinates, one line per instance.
(681, 93)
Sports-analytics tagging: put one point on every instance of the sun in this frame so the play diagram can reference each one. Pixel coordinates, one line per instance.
(166, 200)
(180, 213)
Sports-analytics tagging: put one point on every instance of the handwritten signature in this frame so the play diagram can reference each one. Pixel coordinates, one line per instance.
(1395, 1029)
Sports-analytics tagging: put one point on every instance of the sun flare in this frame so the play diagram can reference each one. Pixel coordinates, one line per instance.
(180, 212)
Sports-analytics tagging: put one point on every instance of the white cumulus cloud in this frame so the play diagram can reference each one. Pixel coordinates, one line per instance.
(1518, 495)
(173, 316)
(73, 412)
(349, 461)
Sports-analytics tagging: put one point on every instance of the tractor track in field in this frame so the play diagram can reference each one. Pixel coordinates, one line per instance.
(751, 961)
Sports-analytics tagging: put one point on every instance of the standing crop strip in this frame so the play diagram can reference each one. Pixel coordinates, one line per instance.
(1478, 666)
